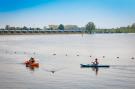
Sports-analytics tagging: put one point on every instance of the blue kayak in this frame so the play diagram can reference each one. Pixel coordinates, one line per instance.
(93, 65)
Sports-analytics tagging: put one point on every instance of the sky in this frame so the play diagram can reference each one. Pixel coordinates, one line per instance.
(40, 13)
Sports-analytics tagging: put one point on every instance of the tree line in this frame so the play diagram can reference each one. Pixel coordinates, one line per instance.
(90, 28)
(49, 27)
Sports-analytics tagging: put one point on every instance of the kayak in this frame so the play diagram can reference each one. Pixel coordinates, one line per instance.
(34, 64)
(31, 64)
(92, 65)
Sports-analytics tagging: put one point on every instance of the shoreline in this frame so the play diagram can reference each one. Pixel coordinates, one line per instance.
(46, 33)
(56, 33)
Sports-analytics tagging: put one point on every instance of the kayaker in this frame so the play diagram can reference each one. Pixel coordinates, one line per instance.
(95, 62)
(32, 60)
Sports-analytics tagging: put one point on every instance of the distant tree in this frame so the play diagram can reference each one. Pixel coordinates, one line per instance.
(128, 27)
(12, 28)
(7, 27)
(53, 27)
(71, 27)
(133, 25)
(45, 28)
(82, 29)
(25, 28)
(90, 26)
(18, 28)
(61, 27)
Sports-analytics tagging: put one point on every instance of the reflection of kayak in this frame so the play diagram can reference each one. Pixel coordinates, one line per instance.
(92, 65)
(28, 64)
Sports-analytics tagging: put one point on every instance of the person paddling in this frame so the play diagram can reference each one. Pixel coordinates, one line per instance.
(32, 60)
(95, 62)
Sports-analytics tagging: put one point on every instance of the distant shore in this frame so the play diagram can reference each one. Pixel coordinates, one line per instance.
(51, 33)
(41, 33)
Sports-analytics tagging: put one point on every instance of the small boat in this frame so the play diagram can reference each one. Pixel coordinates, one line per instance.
(28, 64)
(93, 65)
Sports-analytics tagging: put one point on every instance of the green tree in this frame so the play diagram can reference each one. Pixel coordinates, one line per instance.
(25, 28)
(71, 27)
(53, 27)
(61, 27)
(133, 26)
(90, 27)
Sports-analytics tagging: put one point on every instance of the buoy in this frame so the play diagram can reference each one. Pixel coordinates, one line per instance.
(54, 54)
(132, 58)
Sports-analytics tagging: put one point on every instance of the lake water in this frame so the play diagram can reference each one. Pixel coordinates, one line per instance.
(62, 71)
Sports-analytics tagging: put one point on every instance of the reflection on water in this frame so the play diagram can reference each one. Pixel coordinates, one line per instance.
(95, 69)
(32, 68)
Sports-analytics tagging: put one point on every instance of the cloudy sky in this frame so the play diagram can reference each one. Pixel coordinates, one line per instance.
(39, 13)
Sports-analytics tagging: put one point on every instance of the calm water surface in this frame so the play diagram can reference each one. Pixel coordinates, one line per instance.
(62, 71)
